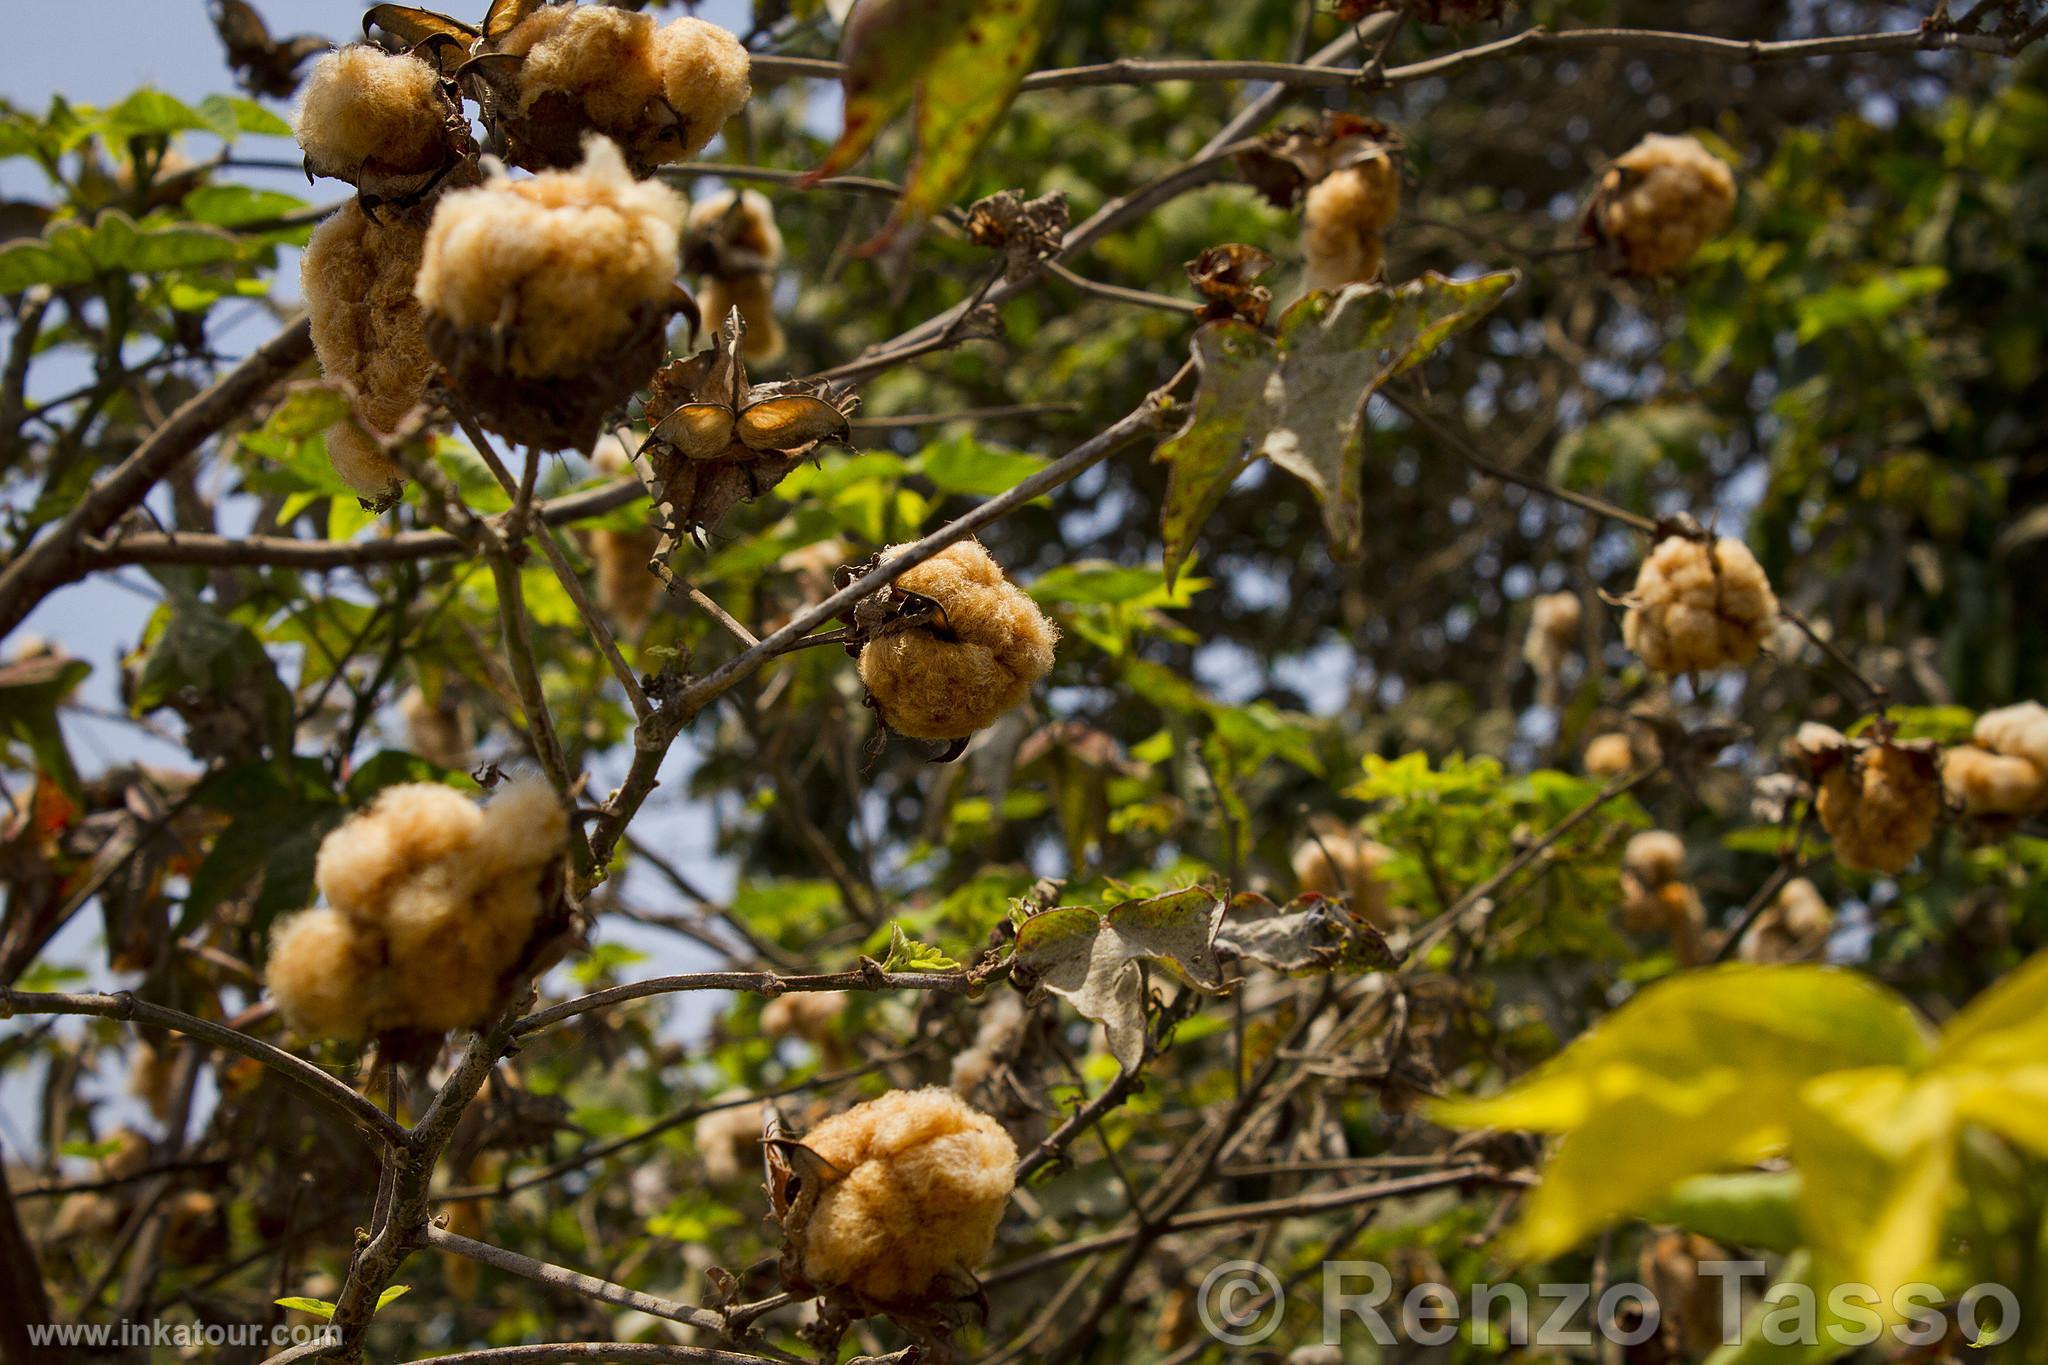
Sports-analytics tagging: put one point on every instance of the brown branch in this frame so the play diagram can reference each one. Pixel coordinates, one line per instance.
(300, 1072)
(288, 552)
(587, 1286)
(59, 556)
(762, 983)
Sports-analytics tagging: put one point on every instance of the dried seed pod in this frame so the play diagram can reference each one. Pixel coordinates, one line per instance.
(719, 439)
(547, 299)
(1284, 163)
(952, 670)
(910, 1190)
(735, 247)
(1699, 605)
(1226, 276)
(1026, 231)
(357, 276)
(263, 65)
(563, 71)
(384, 122)
(1659, 203)
(1878, 800)
(1338, 860)
(431, 901)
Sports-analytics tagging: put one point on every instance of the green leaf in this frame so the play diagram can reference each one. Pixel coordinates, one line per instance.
(1873, 300)
(228, 115)
(1309, 936)
(28, 263)
(906, 954)
(960, 60)
(278, 814)
(229, 206)
(1090, 957)
(151, 112)
(1233, 362)
(390, 767)
(319, 1308)
(391, 1293)
(961, 464)
(1302, 401)
(31, 691)
(179, 248)
(1757, 1209)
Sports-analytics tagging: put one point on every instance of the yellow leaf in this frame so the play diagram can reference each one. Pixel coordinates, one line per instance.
(1876, 1153)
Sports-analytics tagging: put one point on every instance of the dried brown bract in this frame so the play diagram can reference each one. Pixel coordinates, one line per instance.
(1026, 231)
(263, 65)
(1289, 160)
(1225, 276)
(719, 440)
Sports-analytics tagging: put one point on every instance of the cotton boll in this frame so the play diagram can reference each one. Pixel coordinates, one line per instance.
(1553, 630)
(809, 1015)
(1989, 784)
(1660, 203)
(1878, 804)
(1698, 607)
(627, 588)
(1610, 755)
(434, 901)
(547, 298)
(321, 972)
(2018, 731)
(951, 676)
(368, 116)
(437, 732)
(705, 75)
(357, 276)
(920, 1182)
(1002, 1023)
(1338, 860)
(1654, 857)
(754, 295)
(729, 1140)
(1342, 217)
(1794, 927)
